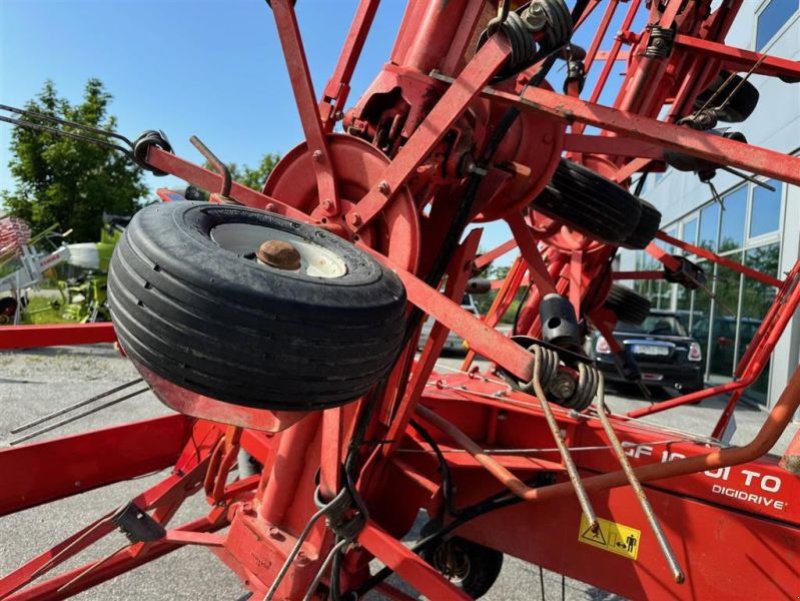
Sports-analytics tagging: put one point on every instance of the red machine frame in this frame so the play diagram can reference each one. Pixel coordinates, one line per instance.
(728, 514)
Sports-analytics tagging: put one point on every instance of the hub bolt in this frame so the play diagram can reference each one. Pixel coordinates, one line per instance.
(279, 254)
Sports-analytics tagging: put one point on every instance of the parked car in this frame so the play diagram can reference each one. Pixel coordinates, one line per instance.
(454, 342)
(723, 339)
(661, 347)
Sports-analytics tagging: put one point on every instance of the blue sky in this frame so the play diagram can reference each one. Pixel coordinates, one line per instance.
(212, 68)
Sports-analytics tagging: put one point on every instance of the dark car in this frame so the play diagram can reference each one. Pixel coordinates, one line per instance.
(661, 347)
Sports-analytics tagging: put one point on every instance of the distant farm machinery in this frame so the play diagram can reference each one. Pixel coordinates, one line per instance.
(285, 322)
(29, 262)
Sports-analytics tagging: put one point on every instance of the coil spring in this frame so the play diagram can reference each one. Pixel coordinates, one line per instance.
(660, 43)
(548, 367)
(524, 51)
(585, 387)
(560, 20)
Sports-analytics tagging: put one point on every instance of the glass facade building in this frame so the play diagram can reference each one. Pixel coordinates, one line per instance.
(746, 223)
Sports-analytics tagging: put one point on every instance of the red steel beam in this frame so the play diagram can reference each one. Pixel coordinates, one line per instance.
(672, 137)
(12, 337)
(451, 105)
(37, 473)
(408, 565)
(727, 263)
(481, 338)
(338, 87)
(306, 99)
(208, 180)
(484, 259)
(738, 59)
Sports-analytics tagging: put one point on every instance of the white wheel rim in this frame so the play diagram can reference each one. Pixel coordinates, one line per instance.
(245, 238)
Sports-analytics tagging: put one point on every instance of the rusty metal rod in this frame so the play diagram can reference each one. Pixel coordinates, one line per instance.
(509, 480)
(566, 457)
(221, 167)
(77, 416)
(777, 421)
(78, 405)
(619, 451)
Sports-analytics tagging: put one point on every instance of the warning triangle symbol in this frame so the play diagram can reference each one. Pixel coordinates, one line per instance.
(596, 537)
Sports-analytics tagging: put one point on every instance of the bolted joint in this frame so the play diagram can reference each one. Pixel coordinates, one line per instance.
(535, 17)
(279, 254)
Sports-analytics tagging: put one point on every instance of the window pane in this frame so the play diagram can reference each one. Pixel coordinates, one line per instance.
(701, 312)
(772, 18)
(690, 231)
(756, 300)
(765, 216)
(723, 335)
(709, 217)
(731, 235)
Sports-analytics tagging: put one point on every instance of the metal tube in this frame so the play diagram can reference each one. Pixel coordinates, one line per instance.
(69, 420)
(666, 549)
(289, 463)
(777, 421)
(566, 457)
(69, 408)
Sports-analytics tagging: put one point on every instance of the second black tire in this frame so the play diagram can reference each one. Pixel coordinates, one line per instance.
(595, 206)
(737, 96)
(210, 318)
(627, 305)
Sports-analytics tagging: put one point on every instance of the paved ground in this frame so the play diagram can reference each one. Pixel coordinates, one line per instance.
(33, 383)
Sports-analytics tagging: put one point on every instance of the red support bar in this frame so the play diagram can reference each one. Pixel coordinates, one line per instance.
(12, 337)
(487, 257)
(451, 105)
(637, 275)
(408, 565)
(95, 459)
(733, 265)
(527, 245)
(300, 77)
(208, 180)
(617, 146)
(673, 137)
(738, 59)
(120, 562)
(338, 87)
(481, 338)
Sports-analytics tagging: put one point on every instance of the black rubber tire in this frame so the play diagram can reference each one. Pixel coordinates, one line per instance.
(627, 305)
(646, 229)
(740, 106)
(589, 203)
(483, 564)
(217, 323)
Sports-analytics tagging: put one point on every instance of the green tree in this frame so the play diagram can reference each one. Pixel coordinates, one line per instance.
(70, 182)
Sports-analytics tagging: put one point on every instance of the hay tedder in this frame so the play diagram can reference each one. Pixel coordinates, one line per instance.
(284, 323)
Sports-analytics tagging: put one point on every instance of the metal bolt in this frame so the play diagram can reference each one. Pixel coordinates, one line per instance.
(535, 17)
(327, 204)
(301, 559)
(270, 206)
(383, 187)
(279, 254)
(275, 533)
(354, 219)
(562, 386)
(317, 155)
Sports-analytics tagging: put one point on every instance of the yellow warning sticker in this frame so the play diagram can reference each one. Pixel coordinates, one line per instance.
(611, 536)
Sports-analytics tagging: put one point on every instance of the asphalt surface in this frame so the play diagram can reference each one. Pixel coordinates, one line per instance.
(36, 382)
